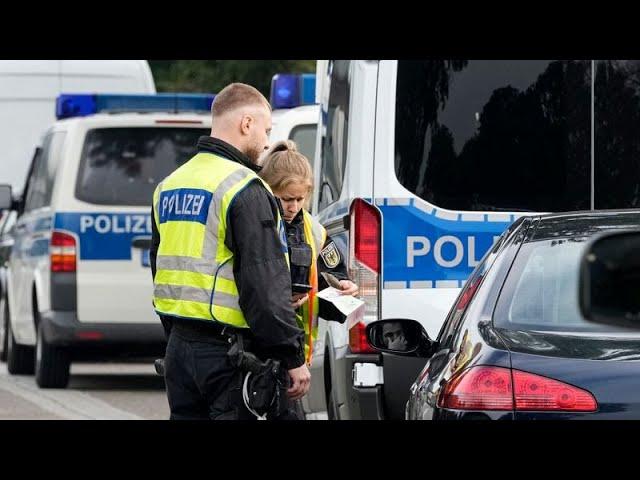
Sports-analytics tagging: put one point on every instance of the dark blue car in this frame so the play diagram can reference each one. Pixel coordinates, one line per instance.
(514, 345)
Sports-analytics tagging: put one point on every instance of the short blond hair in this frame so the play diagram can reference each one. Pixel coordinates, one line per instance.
(283, 165)
(234, 96)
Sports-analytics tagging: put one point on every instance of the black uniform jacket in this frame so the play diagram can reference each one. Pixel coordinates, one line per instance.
(329, 258)
(259, 267)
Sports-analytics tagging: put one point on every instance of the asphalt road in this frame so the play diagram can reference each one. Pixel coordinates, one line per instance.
(106, 391)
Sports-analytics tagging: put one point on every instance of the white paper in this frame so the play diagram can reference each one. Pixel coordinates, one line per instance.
(350, 307)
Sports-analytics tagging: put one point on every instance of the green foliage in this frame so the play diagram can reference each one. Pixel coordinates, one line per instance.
(210, 76)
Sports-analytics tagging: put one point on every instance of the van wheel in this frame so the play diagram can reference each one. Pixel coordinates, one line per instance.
(52, 363)
(20, 358)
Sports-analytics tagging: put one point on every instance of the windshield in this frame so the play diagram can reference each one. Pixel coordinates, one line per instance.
(122, 166)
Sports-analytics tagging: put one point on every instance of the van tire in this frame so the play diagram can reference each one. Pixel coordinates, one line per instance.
(20, 358)
(52, 364)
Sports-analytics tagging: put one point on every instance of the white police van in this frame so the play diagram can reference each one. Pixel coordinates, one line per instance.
(79, 283)
(295, 114)
(419, 167)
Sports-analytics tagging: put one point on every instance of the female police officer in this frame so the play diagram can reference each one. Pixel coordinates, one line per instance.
(312, 251)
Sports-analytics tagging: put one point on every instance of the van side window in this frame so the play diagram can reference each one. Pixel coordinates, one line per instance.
(493, 135)
(44, 171)
(335, 133)
(35, 195)
(304, 137)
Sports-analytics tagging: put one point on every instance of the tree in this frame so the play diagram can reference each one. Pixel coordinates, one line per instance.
(210, 76)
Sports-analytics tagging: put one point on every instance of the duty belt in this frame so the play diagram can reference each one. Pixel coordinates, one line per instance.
(203, 331)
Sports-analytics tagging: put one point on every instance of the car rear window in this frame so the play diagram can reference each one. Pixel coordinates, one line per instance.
(122, 166)
(541, 290)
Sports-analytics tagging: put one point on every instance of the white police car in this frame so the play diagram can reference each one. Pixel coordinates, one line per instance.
(79, 284)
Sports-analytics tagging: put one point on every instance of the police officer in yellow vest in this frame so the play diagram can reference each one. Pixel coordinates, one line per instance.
(289, 174)
(220, 265)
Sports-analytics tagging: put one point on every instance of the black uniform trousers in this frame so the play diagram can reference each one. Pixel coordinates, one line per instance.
(200, 380)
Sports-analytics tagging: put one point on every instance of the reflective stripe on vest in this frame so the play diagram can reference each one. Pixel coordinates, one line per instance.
(194, 268)
(315, 235)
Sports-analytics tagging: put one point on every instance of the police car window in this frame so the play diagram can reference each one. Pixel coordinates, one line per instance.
(616, 139)
(495, 135)
(122, 166)
(36, 194)
(335, 135)
(304, 137)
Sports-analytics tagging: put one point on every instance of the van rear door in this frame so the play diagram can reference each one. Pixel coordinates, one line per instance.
(119, 170)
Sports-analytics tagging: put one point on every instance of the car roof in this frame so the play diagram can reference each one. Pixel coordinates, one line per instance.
(583, 223)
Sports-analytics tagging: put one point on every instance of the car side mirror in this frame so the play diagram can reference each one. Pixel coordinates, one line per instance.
(6, 200)
(399, 336)
(609, 287)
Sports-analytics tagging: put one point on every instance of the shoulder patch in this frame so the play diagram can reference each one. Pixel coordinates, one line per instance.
(330, 255)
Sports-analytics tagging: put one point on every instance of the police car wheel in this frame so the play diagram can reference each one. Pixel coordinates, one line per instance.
(52, 364)
(20, 358)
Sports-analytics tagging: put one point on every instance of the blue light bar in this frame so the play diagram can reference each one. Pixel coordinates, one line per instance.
(308, 88)
(292, 90)
(80, 105)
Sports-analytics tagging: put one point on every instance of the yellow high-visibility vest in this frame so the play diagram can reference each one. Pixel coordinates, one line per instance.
(194, 268)
(314, 235)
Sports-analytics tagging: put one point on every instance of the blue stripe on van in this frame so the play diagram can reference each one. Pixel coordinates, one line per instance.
(419, 246)
(104, 236)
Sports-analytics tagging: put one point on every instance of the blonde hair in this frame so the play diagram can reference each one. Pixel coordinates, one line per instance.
(283, 165)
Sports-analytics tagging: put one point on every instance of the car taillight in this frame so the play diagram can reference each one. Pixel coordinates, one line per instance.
(358, 339)
(365, 256)
(62, 251)
(499, 388)
(479, 388)
(534, 392)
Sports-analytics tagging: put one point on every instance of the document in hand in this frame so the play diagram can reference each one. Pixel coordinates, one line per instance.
(342, 307)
